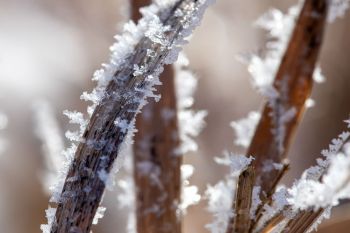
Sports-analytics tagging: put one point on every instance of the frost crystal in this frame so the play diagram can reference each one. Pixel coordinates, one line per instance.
(255, 201)
(337, 9)
(239, 163)
(189, 194)
(326, 184)
(221, 195)
(264, 68)
(245, 128)
(50, 215)
(191, 122)
(220, 198)
(99, 214)
(49, 133)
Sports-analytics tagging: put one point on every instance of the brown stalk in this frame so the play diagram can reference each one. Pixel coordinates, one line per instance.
(155, 144)
(83, 188)
(293, 83)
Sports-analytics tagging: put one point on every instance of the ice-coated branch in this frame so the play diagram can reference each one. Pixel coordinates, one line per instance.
(283, 111)
(124, 85)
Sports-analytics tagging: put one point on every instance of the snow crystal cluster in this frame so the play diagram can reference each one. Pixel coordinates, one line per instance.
(191, 122)
(327, 183)
(320, 187)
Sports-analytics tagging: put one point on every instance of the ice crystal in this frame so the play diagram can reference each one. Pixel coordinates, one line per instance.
(337, 9)
(191, 122)
(189, 195)
(245, 128)
(220, 198)
(99, 214)
(49, 133)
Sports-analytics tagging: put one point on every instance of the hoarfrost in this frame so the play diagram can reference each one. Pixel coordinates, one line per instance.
(326, 184)
(191, 122)
(220, 198)
(337, 9)
(49, 133)
(245, 128)
(99, 214)
(189, 194)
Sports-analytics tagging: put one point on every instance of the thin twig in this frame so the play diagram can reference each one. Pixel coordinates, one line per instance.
(95, 155)
(282, 113)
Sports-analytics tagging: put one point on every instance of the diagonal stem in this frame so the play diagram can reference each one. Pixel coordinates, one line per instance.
(282, 113)
(123, 97)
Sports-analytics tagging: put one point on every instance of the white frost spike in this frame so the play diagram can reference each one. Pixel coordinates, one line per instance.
(335, 186)
(76, 118)
(264, 68)
(255, 201)
(220, 198)
(189, 195)
(49, 133)
(50, 215)
(191, 122)
(99, 214)
(245, 128)
(337, 9)
(239, 163)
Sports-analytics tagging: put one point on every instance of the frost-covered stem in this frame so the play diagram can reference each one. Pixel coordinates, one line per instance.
(122, 99)
(293, 84)
(157, 166)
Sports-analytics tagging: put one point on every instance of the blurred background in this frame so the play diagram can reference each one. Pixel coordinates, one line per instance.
(50, 49)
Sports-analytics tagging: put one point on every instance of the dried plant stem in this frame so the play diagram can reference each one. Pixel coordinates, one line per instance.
(282, 113)
(83, 188)
(259, 211)
(303, 221)
(158, 190)
(243, 203)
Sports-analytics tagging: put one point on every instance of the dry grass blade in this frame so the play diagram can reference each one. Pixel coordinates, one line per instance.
(282, 113)
(83, 188)
(155, 143)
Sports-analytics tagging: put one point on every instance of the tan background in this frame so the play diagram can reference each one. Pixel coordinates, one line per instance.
(49, 50)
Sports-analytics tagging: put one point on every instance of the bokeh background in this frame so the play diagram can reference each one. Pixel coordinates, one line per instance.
(50, 49)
